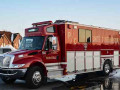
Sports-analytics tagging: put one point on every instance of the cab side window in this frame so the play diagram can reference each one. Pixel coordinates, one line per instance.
(51, 29)
(51, 43)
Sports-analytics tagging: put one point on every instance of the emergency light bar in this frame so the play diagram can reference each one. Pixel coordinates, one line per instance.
(65, 21)
(42, 23)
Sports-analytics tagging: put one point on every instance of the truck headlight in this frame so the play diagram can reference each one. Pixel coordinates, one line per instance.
(17, 65)
(6, 61)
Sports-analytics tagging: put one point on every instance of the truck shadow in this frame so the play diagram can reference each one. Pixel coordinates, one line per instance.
(89, 81)
(92, 81)
(20, 85)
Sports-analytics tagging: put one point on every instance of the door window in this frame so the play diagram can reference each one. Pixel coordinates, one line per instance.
(51, 29)
(51, 43)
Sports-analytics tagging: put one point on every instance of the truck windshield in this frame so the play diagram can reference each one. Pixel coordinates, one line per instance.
(32, 43)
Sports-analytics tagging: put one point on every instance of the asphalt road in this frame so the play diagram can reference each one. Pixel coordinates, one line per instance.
(20, 85)
(91, 81)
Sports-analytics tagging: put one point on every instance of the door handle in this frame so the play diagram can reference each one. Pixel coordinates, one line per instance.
(57, 57)
(47, 52)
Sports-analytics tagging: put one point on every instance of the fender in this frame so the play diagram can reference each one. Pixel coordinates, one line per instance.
(103, 60)
(31, 61)
(40, 64)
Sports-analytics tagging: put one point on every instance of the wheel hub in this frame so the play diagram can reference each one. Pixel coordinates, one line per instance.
(36, 77)
(107, 68)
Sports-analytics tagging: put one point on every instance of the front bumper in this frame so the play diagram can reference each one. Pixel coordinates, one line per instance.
(12, 73)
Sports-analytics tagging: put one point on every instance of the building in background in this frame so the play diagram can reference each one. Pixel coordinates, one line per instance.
(8, 38)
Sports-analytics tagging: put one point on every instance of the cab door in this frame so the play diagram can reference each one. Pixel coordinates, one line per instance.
(51, 53)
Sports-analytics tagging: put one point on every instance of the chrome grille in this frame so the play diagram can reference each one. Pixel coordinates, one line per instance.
(1, 61)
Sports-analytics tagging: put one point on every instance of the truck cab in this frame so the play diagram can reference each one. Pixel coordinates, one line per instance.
(39, 48)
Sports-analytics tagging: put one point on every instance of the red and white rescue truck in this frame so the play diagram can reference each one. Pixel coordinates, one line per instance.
(57, 50)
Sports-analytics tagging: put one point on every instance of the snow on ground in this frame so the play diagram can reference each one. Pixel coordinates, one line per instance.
(9, 46)
(115, 73)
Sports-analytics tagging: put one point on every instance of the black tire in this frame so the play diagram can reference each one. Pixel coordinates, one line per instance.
(107, 84)
(34, 77)
(8, 80)
(107, 68)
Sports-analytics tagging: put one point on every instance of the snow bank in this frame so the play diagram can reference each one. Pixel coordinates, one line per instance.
(9, 46)
(115, 73)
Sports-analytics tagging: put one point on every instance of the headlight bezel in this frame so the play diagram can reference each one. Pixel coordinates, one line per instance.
(6, 62)
(17, 65)
(11, 59)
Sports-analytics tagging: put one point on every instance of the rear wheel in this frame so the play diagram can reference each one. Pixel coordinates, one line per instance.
(35, 77)
(107, 68)
(8, 80)
(107, 84)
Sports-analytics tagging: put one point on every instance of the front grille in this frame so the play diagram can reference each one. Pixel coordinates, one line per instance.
(7, 71)
(1, 61)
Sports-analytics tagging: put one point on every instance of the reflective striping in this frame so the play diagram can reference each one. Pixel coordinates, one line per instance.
(51, 64)
(63, 62)
(107, 55)
(106, 49)
(54, 64)
(53, 67)
(50, 70)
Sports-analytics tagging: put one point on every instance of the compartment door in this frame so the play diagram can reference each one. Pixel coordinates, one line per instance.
(89, 60)
(116, 58)
(70, 61)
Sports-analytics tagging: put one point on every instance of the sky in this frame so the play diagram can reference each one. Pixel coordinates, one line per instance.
(16, 15)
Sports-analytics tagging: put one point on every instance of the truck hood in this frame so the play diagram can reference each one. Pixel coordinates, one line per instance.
(23, 52)
(25, 56)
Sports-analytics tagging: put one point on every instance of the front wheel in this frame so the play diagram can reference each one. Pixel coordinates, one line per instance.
(35, 77)
(107, 68)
